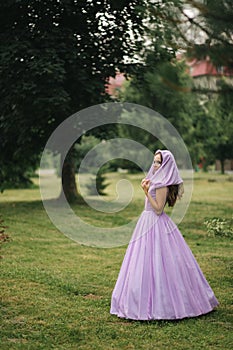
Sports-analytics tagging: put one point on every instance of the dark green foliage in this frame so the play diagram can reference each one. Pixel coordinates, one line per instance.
(215, 19)
(165, 88)
(163, 84)
(98, 183)
(55, 59)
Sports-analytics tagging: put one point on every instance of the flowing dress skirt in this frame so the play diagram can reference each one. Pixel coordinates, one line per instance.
(159, 278)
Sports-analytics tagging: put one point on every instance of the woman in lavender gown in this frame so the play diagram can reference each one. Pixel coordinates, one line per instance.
(159, 278)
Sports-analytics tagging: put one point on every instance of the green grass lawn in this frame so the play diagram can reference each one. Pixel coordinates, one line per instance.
(55, 293)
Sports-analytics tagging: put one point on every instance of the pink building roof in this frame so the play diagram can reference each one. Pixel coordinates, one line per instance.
(114, 84)
(205, 67)
(196, 68)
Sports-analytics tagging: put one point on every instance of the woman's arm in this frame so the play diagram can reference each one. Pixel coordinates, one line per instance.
(159, 202)
(161, 196)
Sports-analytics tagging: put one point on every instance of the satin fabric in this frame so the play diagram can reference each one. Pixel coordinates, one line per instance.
(167, 174)
(159, 277)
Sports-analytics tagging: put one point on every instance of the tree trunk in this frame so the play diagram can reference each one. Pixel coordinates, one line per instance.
(222, 166)
(68, 178)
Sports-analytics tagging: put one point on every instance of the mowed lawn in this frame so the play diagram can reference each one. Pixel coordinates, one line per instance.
(55, 293)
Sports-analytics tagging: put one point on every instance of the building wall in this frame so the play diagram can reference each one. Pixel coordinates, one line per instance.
(211, 82)
(228, 165)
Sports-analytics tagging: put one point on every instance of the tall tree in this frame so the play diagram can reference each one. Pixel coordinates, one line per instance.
(199, 27)
(214, 20)
(202, 29)
(55, 58)
(167, 89)
(219, 138)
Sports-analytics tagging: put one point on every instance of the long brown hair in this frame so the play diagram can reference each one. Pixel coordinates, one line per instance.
(172, 190)
(172, 195)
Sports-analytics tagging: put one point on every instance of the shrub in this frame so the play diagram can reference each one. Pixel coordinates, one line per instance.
(219, 227)
(98, 183)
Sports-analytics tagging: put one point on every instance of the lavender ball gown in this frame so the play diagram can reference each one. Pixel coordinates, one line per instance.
(159, 278)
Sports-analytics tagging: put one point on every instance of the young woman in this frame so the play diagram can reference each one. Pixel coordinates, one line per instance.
(159, 278)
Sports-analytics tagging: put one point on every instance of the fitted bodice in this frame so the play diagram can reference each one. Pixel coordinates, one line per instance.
(152, 191)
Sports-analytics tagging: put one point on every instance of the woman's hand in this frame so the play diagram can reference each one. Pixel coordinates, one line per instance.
(145, 183)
